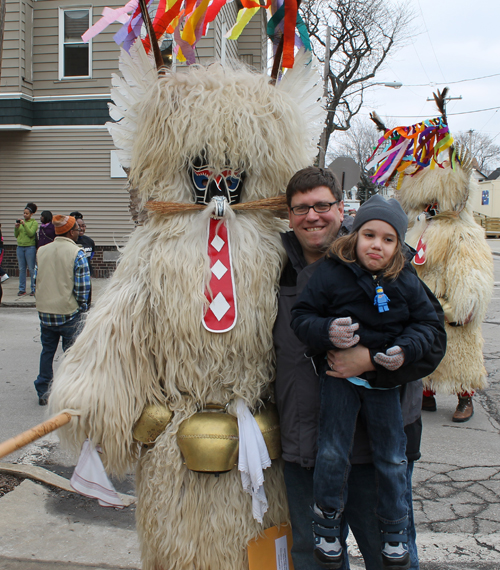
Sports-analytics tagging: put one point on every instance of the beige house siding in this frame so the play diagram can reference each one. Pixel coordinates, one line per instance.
(252, 44)
(11, 73)
(62, 170)
(105, 52)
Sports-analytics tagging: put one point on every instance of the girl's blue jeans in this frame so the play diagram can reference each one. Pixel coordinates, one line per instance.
(26, 258)
(341, 402)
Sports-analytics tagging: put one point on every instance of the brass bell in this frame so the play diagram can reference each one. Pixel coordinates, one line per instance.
(153, 421)
(268, 421)
(208, 441)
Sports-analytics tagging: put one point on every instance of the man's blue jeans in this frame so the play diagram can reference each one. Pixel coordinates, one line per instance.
(26, 258)
(359, 514)
(50, 341)
(341, 402)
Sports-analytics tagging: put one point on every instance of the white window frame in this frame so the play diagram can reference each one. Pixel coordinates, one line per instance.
(62, 44)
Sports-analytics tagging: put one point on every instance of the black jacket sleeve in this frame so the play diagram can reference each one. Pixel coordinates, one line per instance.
(308, 315)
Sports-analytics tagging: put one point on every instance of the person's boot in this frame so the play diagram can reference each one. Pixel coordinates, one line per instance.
(465, 409)
(429, 403)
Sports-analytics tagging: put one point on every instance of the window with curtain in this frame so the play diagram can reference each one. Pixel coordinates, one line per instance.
(76, 54)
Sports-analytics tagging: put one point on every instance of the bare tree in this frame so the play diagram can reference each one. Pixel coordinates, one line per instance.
(356, 143)
(363, 34)
(482, 148)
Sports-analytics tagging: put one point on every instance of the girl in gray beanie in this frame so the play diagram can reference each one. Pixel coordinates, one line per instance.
(365, 291)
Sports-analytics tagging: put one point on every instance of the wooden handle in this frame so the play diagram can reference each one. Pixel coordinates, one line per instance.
(19, 441)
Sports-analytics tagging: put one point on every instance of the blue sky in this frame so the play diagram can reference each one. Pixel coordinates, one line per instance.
(453, 41)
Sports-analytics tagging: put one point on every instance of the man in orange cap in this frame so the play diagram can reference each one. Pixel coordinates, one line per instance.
(62, 290)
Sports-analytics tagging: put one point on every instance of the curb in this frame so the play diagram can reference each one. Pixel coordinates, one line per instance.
(45, 476)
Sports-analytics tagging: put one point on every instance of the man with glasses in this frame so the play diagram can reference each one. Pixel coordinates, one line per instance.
(62, 290)
(316, 213)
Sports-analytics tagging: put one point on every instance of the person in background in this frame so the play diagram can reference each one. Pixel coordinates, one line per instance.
(86, 242)
(25, 232)
(3, 274)
(63, 287)
(46, 232)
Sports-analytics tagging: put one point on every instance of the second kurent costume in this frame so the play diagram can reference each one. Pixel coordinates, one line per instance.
(453, 258)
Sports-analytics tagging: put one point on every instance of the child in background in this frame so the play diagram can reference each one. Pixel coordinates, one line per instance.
(367, 286)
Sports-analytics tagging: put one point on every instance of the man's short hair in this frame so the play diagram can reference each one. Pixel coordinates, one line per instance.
(77, 215)
(309, 178)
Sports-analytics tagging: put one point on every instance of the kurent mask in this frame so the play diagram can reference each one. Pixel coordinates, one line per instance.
(207, 182)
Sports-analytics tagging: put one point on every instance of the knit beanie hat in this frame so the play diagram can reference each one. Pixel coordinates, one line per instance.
(389, 211)
(63, 224)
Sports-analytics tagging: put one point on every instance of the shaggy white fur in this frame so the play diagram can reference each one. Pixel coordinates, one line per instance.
(144, 341)
(458, 270)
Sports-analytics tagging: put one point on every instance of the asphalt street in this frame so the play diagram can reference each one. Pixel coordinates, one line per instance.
(42, 527)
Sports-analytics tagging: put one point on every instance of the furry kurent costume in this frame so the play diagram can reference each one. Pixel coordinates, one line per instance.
(145, 341)
(453, 258)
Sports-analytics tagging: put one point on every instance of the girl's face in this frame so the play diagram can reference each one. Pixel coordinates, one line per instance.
(376, 245)
(26, 214)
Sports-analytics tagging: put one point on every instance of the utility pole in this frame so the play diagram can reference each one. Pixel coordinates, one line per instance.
(326, 72)
(446, 99)
(471, 131)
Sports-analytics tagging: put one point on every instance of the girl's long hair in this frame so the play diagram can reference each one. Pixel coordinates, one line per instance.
(344, 248)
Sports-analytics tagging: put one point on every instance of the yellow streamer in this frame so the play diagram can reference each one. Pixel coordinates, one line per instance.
(188, 31)
(244, 16)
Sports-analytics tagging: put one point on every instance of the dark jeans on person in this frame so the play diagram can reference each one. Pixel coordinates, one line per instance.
(26, 258)
(359, 514)
(50, 341)
(340, 403)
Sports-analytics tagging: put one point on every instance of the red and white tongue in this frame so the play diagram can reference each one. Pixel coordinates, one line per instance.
(221, 314)
(420, 256)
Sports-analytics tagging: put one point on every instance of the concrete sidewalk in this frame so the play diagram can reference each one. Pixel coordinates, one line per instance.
(456, 502)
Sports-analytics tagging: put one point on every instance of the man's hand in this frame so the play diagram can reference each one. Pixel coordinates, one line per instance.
(341, 333)
(393, 358)
(350, 362)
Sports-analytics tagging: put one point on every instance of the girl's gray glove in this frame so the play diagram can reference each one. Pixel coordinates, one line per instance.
(393, 358)
(341, 333)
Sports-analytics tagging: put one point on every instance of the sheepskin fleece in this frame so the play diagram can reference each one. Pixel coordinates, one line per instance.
(253, 128)
(144, 341)
(458, 270)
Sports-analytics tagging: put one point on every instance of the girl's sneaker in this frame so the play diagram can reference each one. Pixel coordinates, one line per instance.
(395, 555)
(327, 548)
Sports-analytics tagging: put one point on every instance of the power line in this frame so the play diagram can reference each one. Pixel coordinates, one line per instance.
(451, 82)
(447, 114)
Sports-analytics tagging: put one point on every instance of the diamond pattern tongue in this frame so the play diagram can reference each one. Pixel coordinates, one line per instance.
(221, 313)
(420, 256)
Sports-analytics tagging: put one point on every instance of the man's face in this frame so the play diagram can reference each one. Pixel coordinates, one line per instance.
(314, 231)
(74, 233)
(81, 226)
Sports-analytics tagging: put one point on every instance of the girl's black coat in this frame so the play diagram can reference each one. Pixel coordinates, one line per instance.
(340, 289)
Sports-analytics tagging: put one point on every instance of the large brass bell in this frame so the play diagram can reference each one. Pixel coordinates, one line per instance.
(208, 441)
(153, 421)
(268, 421)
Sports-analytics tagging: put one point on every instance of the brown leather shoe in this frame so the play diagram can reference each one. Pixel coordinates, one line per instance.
(464, 411)
(429, 403)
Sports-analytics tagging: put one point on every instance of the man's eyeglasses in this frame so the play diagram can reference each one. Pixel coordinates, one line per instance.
(319, 208)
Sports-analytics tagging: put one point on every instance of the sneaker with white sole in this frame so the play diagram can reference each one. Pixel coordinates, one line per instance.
(395, 555)
(327, 547)
(4, 278)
